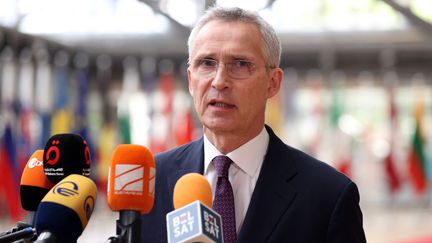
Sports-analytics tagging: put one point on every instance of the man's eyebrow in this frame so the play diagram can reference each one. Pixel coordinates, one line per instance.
(232, 57)
(204, 55)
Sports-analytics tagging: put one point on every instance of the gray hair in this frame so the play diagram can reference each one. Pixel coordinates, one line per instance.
(272, 49)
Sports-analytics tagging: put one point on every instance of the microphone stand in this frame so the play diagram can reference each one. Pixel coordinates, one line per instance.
(26, 233)
(22, 233)
(128, 227)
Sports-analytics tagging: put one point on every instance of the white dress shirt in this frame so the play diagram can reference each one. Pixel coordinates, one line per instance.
(243, 173)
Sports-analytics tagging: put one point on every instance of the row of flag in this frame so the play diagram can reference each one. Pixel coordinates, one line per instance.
(361, 122)
(42, 95)
(334, 117)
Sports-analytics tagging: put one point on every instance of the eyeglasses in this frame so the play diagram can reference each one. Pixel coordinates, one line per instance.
(236, 69)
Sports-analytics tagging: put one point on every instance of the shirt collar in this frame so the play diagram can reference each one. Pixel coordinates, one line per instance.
(247, 157)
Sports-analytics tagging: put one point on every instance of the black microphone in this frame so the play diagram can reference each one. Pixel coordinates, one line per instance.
(193, 220)
(66, 154)
(65, 211)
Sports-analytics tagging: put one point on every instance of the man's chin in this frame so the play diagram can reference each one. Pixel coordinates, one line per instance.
(219, 126)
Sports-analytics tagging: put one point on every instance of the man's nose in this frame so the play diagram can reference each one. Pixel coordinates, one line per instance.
(220, 80)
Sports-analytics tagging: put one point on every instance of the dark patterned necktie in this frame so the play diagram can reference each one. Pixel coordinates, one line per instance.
(224, 199)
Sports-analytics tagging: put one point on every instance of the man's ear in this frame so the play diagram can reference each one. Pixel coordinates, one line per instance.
(275, 82)
(189, 81)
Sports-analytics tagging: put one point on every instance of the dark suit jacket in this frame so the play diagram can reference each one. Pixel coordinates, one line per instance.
(296, 198)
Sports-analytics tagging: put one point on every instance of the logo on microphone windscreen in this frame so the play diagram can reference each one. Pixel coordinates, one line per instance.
(89, 204)
(34, 162)
(129, 179)
(67, 189)
(194, 222)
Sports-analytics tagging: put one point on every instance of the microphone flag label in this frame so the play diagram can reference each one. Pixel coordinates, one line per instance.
(129, 179)
(194, 222)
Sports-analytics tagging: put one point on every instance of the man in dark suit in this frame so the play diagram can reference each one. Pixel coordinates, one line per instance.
(279, 194)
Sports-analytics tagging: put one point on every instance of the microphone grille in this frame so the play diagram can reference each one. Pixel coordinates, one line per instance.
(192, 187)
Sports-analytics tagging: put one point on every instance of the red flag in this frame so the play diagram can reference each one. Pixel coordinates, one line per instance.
(9, 186)
(416, 155)
(162, 135)
(184, 129)
(389, 163)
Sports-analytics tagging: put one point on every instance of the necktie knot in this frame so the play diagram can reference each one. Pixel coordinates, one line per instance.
(222, 164)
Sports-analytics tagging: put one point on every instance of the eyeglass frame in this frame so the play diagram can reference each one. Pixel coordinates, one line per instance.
(227, 65)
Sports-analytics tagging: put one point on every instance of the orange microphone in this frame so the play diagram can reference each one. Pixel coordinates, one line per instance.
(192, 187)
(193, 220)
(34, 184)
(131, 188)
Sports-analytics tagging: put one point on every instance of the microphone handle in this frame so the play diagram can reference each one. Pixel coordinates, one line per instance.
(46, 237)
(113, 239)
(18, 235)
(129, 226)
(30, 219)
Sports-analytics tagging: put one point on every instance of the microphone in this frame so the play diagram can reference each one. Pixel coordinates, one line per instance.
(65, 211)
(193, 220)
(66, 154)
(25, 233)
(34, 185)
(131, 189)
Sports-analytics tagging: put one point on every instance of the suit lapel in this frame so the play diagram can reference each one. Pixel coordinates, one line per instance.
(272, 194)
(189, 160)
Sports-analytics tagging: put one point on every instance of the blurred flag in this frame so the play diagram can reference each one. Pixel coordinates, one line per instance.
(162, 135)
(183, 121)
(9, 193)
(81, 100)
(9, 185)
(341, 142)
(101, 117)
(26, 135)
(393, 178)
(107, 142)
(129, 87)
(43, 96)
(416, 154)
(274, 115)
(314, 80)
(62, 119)
(290, 92)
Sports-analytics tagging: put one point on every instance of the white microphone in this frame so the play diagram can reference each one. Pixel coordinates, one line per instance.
(193, 220)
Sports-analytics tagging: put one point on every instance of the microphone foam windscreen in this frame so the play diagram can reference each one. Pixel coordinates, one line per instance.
(131, 179)
(192, 187)
(34, 184)
(66, 154)
(67, 207)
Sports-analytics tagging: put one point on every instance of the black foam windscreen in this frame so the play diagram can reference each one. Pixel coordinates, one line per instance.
(34, 184)
(66, 154)
(63, 222)
(66, 209)
(31, 196)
